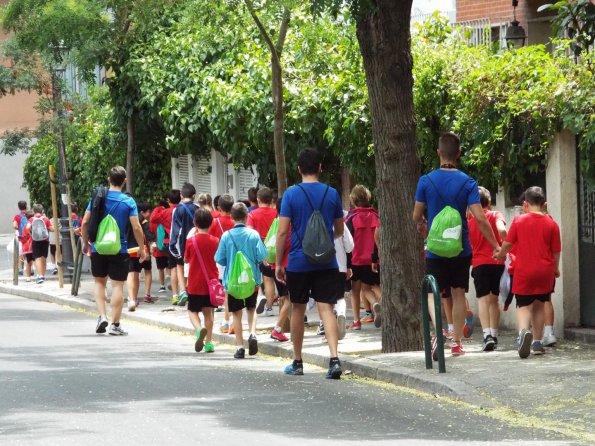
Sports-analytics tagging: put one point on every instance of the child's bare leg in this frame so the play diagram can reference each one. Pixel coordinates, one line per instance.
(148, 282)
(330, 326)
(195, 320)
(162, 277)
(355, 300)
(269, 290)
(173, 276)
(226, 314)
(133, 284)
(494, 310)
(181, 279)
(459, 312)
(283, 310)
(237, 326)
(548, 310)
(208, 316)
(370, 297)
(251, 320)
(523, 317)
(537, 319)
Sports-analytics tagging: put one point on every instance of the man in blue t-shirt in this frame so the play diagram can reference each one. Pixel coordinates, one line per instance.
(436, 190)
(305, 279)
(123, 209)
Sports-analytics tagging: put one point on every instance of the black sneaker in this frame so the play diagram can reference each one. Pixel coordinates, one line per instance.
(252, 345)
(320, 331)
(102, 324)
(334, 369)
(240, 353)
(488, 344)
(524, 342)
(495, 342)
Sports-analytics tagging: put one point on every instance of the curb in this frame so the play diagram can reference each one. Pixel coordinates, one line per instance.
(438, 385)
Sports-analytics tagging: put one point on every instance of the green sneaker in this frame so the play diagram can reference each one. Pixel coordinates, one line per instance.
(183, 298)
(174, 299)
(200, 339)
(209, 347)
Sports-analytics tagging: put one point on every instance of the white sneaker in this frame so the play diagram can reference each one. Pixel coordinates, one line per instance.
(549, 340)
(268, 312)
(341, 326)
(101, 325)
(131, 305)
(311, 304)
(262, 301)
(116, 330)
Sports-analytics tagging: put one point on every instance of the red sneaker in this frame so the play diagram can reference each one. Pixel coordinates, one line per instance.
(355, 325)
(468, 328)
(279, 336)
(148, 299)
(456, 349)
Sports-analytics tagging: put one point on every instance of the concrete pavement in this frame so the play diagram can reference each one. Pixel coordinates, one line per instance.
(556, 391)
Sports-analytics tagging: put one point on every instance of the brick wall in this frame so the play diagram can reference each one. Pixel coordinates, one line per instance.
(497, 11)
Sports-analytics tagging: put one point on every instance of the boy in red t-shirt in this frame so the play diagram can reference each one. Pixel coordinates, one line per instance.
(261, 220)
(536, 237)
(27, 248)
(486, 271)
(198, 284)
(39, 227)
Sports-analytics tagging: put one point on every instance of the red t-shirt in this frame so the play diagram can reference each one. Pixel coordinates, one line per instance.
(220, 225)
(481, 248)
(215, 214)
(537, 239)
(207, 244)
(261, 219)
(46, 220)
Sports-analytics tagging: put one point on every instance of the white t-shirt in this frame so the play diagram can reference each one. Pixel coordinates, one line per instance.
(343, 245)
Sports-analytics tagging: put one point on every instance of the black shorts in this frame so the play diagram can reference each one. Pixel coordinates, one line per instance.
(161, 263)
(268, 271)
(320, 285)
(172, 261)
(341, 281)
(53, 250)
(450, 273)
(29, 257)
(40, 249)
(364, 274)
(525, 301)
(487, 279)
(136, 267)
(116, 266)
(239, 304)
(198, 303)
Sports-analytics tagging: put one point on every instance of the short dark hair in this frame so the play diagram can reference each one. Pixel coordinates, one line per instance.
(174, 196)
(74, 207)
(265, 195)
(239, 211)
(485, 197)
(38, 208)
(144, 207)
(534, 196)
(225, 202)
(163, 203)
(202, 218)
(246, 202)
(188, 190)
(22, 205)
(450, 146)
(216, 201)
(117, 176)
(253, 194)
(309, 161)
(205, 200)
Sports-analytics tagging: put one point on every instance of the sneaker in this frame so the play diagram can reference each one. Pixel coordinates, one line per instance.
(356, 325)
(488, 344)
(268, 312)
(148, 299)
(341, 326)
(182, 298)
(116, 330)
(524, 342)
(320, 331)
(334, 369)
(279, 336)
(200, 339)
(447, 335)
(231, 330)
(368, 318)
(28, 279)
(102, 324)
(549, 340)
(240, 353)
(537, 348)
(224, 327)
(219, 309)
(495, 342)
(468, 327)
(377, 315)
(39, 280)
(54, 271)
(261, 304)
(252, 345)
(161, 289)
(434, 348)
(295, 368)
(456, 349)
(175, 299)
(209, 347)
(131, 305)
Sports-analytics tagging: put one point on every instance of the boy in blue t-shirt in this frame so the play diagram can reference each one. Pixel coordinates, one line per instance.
(305, 279)
(436, 190)
(123, 209)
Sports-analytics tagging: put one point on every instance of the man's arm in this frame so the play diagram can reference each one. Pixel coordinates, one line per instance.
(282, 231)
(338, 226)
(418, 217)
(557, 264)
(139, 236)
(484, 225)
(504, 250)
(85, 231)
(501, 227)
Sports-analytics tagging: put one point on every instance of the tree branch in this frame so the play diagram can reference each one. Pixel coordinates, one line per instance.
(283, 30)
(263, 32)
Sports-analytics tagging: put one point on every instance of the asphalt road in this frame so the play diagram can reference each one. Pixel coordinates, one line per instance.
(61, 384)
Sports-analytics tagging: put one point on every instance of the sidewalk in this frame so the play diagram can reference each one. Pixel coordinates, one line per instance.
(556, 392)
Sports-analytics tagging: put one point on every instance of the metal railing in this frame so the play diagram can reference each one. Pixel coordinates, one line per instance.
(428, 285)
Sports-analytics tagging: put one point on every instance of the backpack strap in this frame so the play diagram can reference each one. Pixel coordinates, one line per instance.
(310, 201)
(200, 259)
(190, 214)
(446, 203)
(114, 207)
(236, 246)
(220, 225)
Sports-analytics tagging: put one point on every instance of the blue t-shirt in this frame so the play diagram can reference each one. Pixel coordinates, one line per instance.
(296, 207)
(121, 207)
(448, 187)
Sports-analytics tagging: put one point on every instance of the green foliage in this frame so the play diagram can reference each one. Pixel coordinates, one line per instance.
(576, 19)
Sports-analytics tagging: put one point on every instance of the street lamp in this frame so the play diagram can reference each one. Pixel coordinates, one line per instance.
(515, 35)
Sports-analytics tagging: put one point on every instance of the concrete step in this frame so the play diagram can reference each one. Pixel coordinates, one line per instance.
(581, 334)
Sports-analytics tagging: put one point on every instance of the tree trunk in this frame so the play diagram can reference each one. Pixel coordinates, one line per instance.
(278, 144)
(385, 43)
(130, 156)
(346, 185)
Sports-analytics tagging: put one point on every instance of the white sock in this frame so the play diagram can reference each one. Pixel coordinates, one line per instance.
(548, 330)
(451, 327)
(278, 329)
(494, 332)
(487, 332)
(341, 307)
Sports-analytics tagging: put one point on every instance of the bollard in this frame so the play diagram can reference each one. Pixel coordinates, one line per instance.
(78, 268)
(15, 262)
(428, 285)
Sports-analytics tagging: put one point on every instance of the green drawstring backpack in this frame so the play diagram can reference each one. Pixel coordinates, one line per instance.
(107, 242)
(270, 241)
(240, 283)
